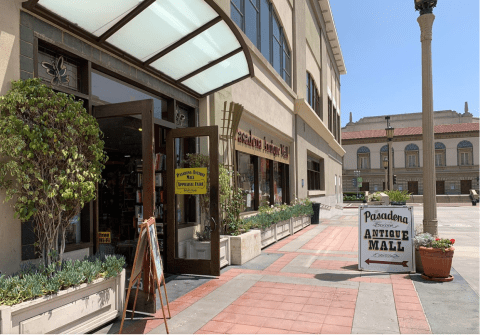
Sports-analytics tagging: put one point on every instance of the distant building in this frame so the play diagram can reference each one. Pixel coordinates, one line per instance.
(456, 152)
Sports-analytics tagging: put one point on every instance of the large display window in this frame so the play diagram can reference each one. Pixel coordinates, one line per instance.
(263, 182)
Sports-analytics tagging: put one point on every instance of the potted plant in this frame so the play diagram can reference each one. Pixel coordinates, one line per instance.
(397, 197)
(436, 255)
(421, 239)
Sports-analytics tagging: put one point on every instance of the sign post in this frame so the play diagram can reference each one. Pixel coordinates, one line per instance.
(386, 239)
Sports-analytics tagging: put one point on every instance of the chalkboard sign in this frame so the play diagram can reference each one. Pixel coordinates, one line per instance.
(157, 258)
(141, 246)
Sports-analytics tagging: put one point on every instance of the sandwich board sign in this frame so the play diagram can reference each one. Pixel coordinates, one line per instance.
(386, 239)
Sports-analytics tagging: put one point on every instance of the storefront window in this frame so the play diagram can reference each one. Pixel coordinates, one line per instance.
(246, 180)
(113, 91)
(277, 182)
(264, 181)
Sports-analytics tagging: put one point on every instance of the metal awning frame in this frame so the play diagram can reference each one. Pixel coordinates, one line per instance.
(32, 6)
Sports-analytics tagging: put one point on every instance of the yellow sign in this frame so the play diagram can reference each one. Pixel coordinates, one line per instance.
(191, 181)
(104, 237)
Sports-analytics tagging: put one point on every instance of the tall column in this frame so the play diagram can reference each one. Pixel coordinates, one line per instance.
(390, 166)
(430, 222)
(386, 178)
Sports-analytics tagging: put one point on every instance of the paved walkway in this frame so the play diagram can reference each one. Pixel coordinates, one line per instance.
(309, 283)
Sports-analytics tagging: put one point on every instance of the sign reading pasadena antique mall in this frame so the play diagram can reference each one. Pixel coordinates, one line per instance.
(191, 181)
(386, 239)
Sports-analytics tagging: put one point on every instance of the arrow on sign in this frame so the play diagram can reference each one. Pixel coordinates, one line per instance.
(404, 263)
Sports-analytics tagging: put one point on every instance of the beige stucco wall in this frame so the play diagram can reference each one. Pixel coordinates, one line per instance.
(10, 228)
(312, 33)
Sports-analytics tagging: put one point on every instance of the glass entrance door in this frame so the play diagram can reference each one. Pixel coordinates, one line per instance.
(193, 201)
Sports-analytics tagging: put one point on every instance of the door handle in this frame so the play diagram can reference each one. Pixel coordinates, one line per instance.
(215, 224)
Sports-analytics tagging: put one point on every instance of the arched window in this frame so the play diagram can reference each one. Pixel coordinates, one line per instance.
(313, 98)
(257, 19)
(411, 156)
(465, 153)
(363, 158)
(384, 153)
(440, 154)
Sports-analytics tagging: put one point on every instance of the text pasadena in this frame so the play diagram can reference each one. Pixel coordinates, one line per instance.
(384, 216)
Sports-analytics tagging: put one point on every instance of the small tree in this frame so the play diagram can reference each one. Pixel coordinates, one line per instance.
(52, 158)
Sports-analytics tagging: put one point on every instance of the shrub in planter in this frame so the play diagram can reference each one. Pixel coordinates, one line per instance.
(36, 281)
(270, 215)
(52, 159)
(398, 197)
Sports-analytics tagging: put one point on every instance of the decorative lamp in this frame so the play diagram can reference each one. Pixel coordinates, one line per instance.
(385, 162)
(425, 6)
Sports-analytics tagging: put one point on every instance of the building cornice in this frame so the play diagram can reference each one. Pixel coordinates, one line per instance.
(407, 138)
(332, 36)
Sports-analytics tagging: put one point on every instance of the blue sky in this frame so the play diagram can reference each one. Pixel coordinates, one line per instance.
(380, 42)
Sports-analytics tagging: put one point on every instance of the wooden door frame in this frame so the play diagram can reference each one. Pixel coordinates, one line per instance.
(194, 266)
(145, 109)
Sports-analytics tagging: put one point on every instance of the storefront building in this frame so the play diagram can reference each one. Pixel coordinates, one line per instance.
(155, 104)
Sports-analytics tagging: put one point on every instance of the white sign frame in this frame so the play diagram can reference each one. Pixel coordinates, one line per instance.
(394, 230)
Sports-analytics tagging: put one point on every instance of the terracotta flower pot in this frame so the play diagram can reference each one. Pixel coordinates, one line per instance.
(436, 263)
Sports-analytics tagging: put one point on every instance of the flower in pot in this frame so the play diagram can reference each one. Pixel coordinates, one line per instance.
(436, 255)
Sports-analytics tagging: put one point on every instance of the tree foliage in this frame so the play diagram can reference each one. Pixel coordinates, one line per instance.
(52, 157)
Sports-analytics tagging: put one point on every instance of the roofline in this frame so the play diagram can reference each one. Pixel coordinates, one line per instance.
(333, 38)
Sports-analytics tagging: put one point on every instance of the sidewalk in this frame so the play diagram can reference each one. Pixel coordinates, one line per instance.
(309, 283)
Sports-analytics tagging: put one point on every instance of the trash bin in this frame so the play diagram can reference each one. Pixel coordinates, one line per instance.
(316, 213)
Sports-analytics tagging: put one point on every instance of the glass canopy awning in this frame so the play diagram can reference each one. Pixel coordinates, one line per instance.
(191, 44)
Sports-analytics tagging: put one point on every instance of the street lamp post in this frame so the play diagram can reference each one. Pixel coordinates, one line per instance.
(390, 132)
(425, 20)
(385, 165)
(357, 174)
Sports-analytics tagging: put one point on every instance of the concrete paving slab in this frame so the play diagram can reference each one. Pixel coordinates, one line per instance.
(357, 330)
(261, 262)
(319, 251)
(375, 311)
(451, 307)
(376, 287)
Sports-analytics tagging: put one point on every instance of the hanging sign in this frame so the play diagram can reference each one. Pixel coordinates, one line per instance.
(191, 181)
(386, 239)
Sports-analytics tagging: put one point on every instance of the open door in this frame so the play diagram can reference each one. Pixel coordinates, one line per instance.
(192, 219)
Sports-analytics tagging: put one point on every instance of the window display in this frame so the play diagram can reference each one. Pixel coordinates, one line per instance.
(246, 180)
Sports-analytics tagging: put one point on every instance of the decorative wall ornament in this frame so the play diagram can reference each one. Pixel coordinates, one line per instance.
(57, 70)
(179, 119)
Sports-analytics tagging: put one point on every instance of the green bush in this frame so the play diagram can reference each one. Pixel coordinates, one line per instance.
(398, 196)
(34, 281)
(53, 159)
(353, 197)
(268, 216)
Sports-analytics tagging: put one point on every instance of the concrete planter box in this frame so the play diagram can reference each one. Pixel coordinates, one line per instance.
(245, 247)
(306, 221)
(198, 249)
(283, 229)
(203, 250)
(75, 310)
(224, 250)
(268, 235)
(297, 224)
